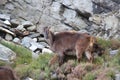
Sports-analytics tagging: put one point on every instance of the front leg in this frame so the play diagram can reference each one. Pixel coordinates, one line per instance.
(89, 56)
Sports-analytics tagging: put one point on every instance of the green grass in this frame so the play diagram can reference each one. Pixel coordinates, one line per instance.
(111, 74)
(104, 43)
(23, 54)
(89, 76)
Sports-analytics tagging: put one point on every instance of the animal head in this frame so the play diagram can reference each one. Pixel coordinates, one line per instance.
(46, 32)
(92, 40)
(48, 35)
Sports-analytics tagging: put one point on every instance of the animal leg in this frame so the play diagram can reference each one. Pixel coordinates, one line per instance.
(89, 56)
(53, 60)
(61, 58)
(79, 53)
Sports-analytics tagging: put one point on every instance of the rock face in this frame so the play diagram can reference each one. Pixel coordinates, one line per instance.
(6, 54)
(99, 17)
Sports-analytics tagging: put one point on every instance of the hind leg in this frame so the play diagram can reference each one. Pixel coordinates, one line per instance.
(61, 58)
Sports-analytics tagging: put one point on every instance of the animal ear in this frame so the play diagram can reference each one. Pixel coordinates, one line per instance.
(46, 28)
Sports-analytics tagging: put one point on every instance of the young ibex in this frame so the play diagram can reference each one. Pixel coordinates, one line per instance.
(62, 42)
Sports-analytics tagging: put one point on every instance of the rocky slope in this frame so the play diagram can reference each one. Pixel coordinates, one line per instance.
(98, 17)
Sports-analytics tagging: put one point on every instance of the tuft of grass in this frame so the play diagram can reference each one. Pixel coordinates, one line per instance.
(41, 62)
(115, 60)
(99, 61)
(89, 76)
(104, 43)
(111, 74)
(23, 54)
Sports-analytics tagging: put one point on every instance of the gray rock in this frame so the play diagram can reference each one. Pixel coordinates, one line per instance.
(28, 1)
(55, 25)
(17, 40)
(35, 39)
(107, 25)
(31, 28)
(111, 22)
(105, 5)
(83, 31)
(9, 6)
(55, 10)
(6, 54)
(84, 6)
(26, 23)
(117, 76)
(45, 50)
(113, 52)
(60, 28)
(44, 44)
(7, 22)
(5, 16)
(35, 45)
(54, 76)
(15, 22)
(26, 41)
(21, 28)
(31, 44)
(33, 35)
(28, 78)
(72, 19)
(8, 37)
(2, 2)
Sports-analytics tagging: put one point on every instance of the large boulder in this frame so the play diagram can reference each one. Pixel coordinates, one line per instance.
(6, 54)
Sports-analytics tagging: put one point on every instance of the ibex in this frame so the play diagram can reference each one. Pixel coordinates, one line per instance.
(62, 42)
(7, 73)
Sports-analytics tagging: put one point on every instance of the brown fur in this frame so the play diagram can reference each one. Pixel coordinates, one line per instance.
(63, 42)
(7, 73)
